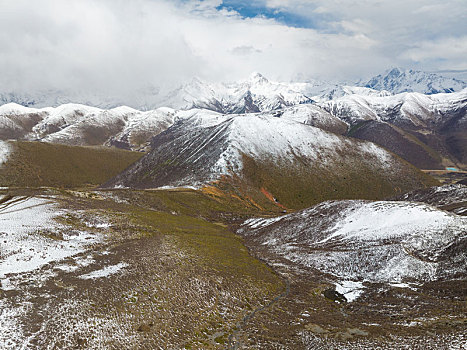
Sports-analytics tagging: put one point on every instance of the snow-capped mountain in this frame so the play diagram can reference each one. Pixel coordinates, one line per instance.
(427, 130)
(413, 109)
(399, 80)
(257, 94)
(142, 99)
(260, 94)
(74, 124)
(288, 158)
(368, 241)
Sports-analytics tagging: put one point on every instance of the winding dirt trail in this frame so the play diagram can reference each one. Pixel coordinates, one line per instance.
(233, 342)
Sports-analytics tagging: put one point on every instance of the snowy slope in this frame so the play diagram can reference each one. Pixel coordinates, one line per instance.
(412, 108)
(398, 80)
(83, 125)
(368, 241)
(31, 221)
(312, 114)
(256, 94)
(335, 92)
(5, 150)
(207, 146)
(451, 197)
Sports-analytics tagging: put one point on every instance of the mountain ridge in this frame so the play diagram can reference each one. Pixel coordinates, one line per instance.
(298, 164)
(254, 94)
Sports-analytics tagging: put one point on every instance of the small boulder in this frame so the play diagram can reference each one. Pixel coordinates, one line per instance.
(144, 328)
(334, 295)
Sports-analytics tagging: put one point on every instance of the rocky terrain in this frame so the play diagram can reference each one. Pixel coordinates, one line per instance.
(380, 266)
(451, 197)
(95, 271)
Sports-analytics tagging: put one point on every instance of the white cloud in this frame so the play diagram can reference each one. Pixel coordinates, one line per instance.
(425, 34)
(119, 46)
(446, 53)
(244, 50)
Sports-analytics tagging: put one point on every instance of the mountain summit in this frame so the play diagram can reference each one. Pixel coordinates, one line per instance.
(256, 94)
(397, 80)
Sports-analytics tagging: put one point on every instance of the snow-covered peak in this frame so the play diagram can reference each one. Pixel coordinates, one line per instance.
(257, 78)
(397, 80)
(15, 109)
(412, 107)
(78, 124)
(257, 94)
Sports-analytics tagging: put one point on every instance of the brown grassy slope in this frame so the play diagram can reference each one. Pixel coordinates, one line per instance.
(298, 187)
(402, 143)
(34, 164)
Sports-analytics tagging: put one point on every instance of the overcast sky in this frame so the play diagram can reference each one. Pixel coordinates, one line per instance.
(126, 45)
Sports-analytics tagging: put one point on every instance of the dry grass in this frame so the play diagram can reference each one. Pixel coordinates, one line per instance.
(35, 164)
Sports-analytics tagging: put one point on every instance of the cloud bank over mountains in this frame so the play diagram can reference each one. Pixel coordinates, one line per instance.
(119, 47)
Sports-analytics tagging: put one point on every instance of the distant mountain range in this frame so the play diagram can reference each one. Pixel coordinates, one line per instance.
(81, 125)
(429, 131)
(256, 94)
(426, 129)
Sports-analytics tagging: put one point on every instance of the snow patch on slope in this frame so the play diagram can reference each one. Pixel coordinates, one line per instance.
(5, 150)
(10, 334)
(282, 140)
(104, 272)
(260, 222)
(369, 241)
(25, 227)
(388, 220)
(351, 290)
